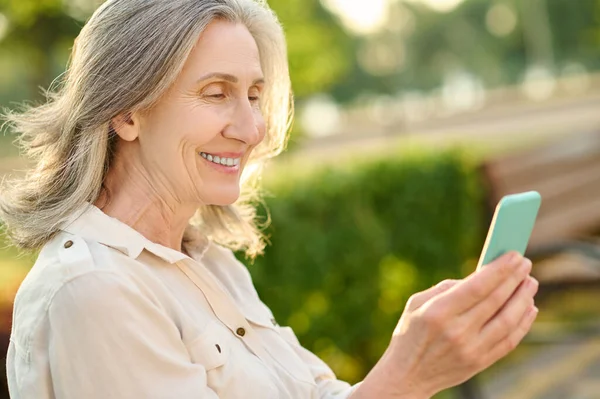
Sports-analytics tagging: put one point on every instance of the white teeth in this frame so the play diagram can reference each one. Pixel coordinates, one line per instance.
(221, 161)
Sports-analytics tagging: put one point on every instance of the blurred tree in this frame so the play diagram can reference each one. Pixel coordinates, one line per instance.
(320, 51)
(435, 45)
(576, 32)
(417, 49)
(493, 41)
(38, 35)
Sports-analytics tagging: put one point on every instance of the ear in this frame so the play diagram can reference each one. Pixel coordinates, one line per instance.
(126, 126)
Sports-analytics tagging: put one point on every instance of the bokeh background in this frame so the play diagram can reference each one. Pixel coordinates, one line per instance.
(381, 194)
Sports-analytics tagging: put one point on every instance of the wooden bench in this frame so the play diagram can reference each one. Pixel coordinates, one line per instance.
(567, 175)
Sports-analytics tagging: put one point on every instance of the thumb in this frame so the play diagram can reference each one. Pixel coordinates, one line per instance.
(419, 299)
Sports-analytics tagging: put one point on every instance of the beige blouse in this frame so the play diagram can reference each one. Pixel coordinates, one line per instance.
(105, 313)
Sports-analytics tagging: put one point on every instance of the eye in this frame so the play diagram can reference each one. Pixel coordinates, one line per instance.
(254, 95)
(215, 91)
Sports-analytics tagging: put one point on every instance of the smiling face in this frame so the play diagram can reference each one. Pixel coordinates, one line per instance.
(194, 143)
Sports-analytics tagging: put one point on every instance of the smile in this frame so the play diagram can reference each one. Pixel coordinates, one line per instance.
(221, 160)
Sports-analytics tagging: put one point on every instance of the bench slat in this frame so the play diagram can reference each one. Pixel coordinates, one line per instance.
(573, 148)
(571, 223)
(526, 177)
(571, 189)
(567, 175)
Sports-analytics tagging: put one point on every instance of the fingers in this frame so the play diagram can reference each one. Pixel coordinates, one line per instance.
(509, 317)
(482, 312)
(419, 299)
(479, 285)
(510, 341)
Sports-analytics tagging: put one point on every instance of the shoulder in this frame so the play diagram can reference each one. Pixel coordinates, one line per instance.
(62, 259)
(67, 261)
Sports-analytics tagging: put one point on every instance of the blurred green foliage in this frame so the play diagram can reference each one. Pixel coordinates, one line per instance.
(420, 49)
(35, 48)
(350, 245)
(319, 49)
(417, 49)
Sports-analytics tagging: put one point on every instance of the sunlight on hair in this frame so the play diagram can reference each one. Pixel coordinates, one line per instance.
(249, 171)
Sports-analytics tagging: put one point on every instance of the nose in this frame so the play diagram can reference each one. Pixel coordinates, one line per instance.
(247, 125)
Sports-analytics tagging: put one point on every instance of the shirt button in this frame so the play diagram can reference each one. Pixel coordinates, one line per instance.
(241, 332)
(68, 244)
(274, 322)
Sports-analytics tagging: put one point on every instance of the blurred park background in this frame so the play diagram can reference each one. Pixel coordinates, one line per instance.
(409, 114)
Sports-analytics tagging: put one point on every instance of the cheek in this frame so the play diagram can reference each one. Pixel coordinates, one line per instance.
(261, 125)
(206, 124)
(166, 131)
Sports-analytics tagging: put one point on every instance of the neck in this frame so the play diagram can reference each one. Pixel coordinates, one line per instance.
(130, 198)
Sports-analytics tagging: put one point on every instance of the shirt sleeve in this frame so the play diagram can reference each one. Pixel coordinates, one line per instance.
(328, 386)
(109, 340)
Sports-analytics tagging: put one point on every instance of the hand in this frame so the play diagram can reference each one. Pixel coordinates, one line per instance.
(456, 329)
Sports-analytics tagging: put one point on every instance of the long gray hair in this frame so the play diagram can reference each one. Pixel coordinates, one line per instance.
(126, 56)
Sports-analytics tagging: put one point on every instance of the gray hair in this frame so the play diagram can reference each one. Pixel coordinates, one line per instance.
(127, 55)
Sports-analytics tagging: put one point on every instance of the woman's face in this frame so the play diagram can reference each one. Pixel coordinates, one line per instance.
(194, 144)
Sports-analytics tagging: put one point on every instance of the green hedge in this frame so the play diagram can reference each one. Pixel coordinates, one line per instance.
(350, 245)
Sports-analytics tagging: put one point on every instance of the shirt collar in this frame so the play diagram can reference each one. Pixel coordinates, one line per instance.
(91, 223)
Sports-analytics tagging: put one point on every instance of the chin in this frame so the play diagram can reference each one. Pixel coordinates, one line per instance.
(224, 197)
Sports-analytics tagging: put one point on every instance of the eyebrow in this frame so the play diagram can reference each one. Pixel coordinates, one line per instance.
(227, 77)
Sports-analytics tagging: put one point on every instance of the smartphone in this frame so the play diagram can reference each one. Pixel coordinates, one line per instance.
(511, 226)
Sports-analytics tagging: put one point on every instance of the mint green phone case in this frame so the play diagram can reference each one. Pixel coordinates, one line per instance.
(511, 226)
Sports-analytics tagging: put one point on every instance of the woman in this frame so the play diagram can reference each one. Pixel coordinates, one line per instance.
(137, 192)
